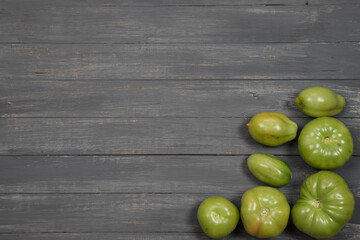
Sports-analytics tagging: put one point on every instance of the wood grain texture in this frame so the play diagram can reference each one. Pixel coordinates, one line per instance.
(147, 174)
(180, 61)
(165, 3)
(117, 118)
(142, 99)
(179, 21)
(99, 213)
(140, 136)
(350, 232)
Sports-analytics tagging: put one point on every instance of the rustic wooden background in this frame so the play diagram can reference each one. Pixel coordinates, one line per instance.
(117, 118)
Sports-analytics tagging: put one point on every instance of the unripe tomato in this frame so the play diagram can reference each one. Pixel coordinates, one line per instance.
(325, 205)
(320, 102)
(264, 212)
(272, 128)
(269, 169)
(217, 216)
(325, 143)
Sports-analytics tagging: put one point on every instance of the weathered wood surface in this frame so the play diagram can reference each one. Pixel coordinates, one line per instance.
(117, 118)
(177, 22)
(177, 99)
(140, 136)
(147, 174)
(349, 232)
(165, 3)
(109, 212)
(180, 61)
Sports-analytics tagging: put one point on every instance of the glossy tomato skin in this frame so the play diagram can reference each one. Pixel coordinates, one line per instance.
(325, 143)
(325, 205)
(272, 128)
(264, 212)
(217, 216)
(269, 169)
(320, 102)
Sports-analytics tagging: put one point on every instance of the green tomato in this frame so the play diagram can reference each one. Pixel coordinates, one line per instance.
(325, 143)
(264, 212)
(320, 102)
(269, 169)
(217, 216)
(272, 128)
(325, 205)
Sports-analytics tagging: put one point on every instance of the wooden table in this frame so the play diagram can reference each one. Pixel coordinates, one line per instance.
(119, 117)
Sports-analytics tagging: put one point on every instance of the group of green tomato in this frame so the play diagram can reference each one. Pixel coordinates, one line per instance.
(325, 205)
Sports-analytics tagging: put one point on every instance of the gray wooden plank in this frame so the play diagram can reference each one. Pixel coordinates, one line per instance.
(202, 98)
(104, 213)
(176, 22)
(139, 136)
(165, 3)
(350, 232)
(180, 61)
(146, 174)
